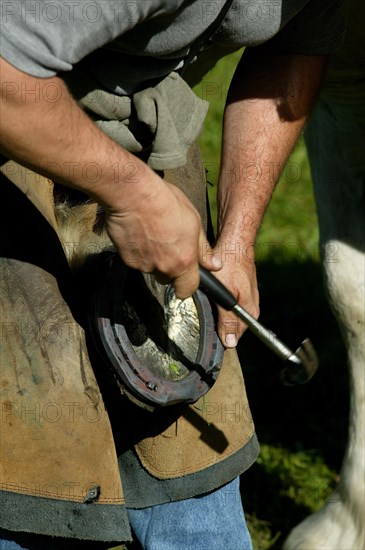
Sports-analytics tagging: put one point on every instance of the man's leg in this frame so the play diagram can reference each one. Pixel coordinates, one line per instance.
(9, 545)
(208, 522)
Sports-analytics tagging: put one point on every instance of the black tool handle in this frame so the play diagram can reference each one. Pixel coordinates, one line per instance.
(219, 293)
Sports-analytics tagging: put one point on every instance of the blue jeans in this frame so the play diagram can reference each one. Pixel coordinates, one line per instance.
(214, 521)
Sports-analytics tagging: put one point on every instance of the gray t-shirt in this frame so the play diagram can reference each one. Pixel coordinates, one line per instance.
(128, 43)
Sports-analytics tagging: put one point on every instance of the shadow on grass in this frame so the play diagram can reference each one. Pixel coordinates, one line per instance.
(309, 418)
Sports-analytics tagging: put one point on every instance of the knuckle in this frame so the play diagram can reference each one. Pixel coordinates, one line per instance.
(184, 262)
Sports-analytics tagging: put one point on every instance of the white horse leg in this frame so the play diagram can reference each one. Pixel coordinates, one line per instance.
(336, 146)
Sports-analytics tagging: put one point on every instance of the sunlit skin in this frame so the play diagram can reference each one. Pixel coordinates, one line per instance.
(269, 100)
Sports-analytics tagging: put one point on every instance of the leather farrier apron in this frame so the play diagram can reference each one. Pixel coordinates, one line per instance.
(69, 464)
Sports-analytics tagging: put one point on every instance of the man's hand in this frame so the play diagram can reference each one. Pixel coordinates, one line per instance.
(238, 275)
(162, 233)
(151, 223)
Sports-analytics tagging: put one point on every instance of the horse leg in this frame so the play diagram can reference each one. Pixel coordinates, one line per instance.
(336, 147)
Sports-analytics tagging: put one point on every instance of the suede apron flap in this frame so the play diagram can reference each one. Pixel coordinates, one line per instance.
(209, 431)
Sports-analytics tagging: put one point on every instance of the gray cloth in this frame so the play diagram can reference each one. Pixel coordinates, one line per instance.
(165, 119)
(62, 518)
(137, 42)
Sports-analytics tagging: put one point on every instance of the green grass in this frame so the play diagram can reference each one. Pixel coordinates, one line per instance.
(303, 429)
(213, 89)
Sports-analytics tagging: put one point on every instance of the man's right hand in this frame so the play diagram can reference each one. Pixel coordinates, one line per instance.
(159, 230)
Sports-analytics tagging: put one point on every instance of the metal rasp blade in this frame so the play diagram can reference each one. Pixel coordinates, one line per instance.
(302, 364)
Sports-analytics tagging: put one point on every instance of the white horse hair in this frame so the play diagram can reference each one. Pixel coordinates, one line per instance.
(340, 525)
(81, 231)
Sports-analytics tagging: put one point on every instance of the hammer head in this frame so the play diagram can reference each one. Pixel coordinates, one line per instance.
(301, 366)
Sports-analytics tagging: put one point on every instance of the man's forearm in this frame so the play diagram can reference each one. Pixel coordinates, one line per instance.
(45, 129)
(53, 136)
(269, 100)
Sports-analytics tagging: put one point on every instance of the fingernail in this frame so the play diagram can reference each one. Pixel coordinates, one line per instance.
(217, 262)
(231, 340)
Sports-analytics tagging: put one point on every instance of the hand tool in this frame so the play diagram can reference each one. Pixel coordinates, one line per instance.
(301, 365)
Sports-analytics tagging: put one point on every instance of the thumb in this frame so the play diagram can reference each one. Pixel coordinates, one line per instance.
(208, 258)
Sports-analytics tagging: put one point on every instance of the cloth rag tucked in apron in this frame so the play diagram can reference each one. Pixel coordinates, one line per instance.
(165, 119)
